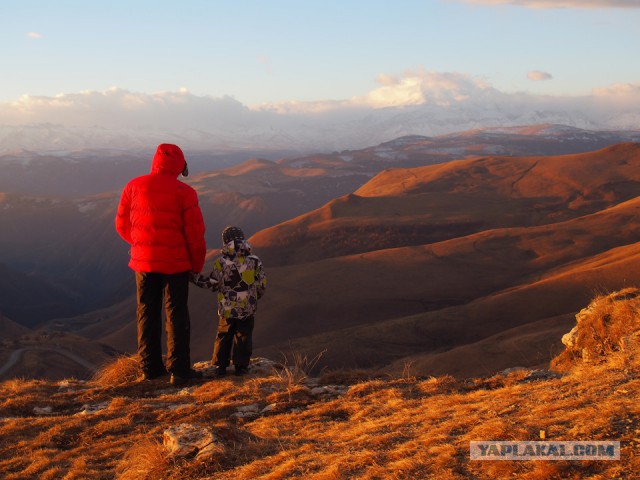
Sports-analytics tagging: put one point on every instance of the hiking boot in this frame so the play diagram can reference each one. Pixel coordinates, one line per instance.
(178, 380)
(152, 375)
(240, 371)
(220, 371)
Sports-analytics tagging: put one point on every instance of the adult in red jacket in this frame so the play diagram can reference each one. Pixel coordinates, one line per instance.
(160, 218)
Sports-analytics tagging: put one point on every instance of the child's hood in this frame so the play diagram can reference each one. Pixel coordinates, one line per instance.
(236, 247)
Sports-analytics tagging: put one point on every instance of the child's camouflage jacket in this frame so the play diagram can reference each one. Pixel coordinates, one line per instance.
(239, 279)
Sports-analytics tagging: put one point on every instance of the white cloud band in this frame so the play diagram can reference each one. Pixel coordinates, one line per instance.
(560, 3)
(417, 102)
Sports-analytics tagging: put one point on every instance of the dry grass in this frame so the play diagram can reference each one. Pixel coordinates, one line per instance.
(297, 367)
(382, 428)
(604, 327)
(123, 370)
(144, 461)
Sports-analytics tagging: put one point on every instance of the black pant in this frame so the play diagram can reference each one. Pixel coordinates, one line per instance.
(152, 289)
(236, 333)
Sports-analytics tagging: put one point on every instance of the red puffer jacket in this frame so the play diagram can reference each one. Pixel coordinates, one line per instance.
(161, 219)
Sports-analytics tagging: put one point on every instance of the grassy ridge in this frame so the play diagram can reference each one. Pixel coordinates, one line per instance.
(404, 427)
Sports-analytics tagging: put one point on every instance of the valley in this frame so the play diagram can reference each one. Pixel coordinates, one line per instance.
(422, 250)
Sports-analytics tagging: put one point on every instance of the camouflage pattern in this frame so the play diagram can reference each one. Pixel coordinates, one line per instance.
(239, 279)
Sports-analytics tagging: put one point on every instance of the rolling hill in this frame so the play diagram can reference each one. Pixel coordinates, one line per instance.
(11, 330)
(57, 225)
(570, 217)
(390, 245)
(435, 265)
(53, 248)
(402, 207)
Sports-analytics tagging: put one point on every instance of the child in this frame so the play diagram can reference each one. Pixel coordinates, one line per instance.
(239, 279)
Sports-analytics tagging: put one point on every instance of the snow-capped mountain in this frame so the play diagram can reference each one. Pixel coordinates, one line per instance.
(326, 131)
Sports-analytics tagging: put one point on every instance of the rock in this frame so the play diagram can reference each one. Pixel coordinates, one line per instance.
(43, 410)
(253, 408)
(244, 414)
(209, 451)
(605, 327)
(540, 375)
(312, 382)
(89, 409)
(177, 407)
(208, 370)
(330, 390)
(263, 366)
(569, 339)
(508, 371)
(187, 440)
(69, 384)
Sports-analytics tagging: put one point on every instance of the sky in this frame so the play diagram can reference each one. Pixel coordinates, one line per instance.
(307, 56)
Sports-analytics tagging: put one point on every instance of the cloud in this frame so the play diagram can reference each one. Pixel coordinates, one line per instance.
(119, 108)
(619, 89)
(421, 87)
(412, 88)
(538, 76)
(560, 3)
(415, 102)
(34, 35)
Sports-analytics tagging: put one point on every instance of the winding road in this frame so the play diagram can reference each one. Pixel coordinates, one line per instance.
(16, 355)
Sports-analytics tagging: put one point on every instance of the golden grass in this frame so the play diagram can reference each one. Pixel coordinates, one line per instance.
(603, 327)
(387, 428)
(296, 368)
(143, 461)
(125, 369)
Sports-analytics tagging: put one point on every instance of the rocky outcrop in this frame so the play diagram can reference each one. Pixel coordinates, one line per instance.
(610, 323)
(187, 440)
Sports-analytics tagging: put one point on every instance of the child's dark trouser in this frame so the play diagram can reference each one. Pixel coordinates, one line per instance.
(236, 334)
(152, 289)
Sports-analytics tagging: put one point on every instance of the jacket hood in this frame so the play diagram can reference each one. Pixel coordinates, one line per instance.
(236, 247)
(168, 159)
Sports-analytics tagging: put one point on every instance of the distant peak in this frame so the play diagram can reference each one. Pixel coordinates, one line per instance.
(405, 140)
(252, 165)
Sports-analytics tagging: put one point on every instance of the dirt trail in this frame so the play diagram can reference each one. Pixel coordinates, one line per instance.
(16, 355)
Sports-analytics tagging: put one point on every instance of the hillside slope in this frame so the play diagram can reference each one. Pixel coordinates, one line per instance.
(452, 260)
(568, 239)
(422, 205)
(278, 423)
(11, 330)
(518, 326)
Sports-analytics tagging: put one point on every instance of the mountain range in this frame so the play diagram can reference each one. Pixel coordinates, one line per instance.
(65, 239)
(436, 265)
(423, 250)
(285, 127)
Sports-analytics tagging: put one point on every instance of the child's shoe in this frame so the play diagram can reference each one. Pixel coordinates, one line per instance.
(241, 371)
